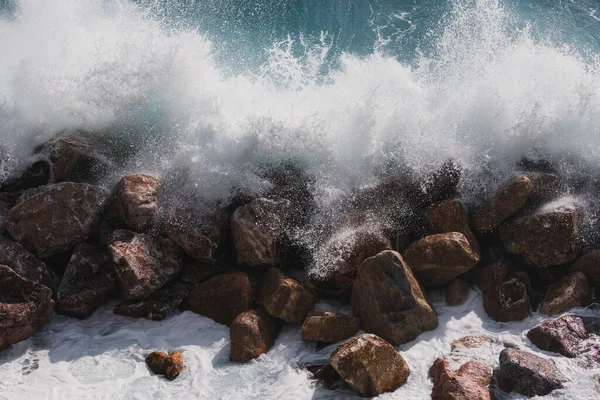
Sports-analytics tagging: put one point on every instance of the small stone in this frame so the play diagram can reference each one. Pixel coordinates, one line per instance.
(137, 200)
(164, 364)
(571, 291)
(252, 333)
(470, 382)
(456, 292)
(328, 327)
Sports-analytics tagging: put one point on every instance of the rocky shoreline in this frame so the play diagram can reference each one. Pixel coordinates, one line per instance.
(70, 244)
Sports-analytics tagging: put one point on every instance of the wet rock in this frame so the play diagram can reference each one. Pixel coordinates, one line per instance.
(569, 335)
(25, 306)
(89, 281)
(197, 234)
(221, 298)
(164, 364)
(26, 264)
(389, 301)
(505, 298)
(137, 200)
(470, 382)
(156, 307)
(451, 216)
(324, 373)
(252, 333)
(528, 374)
(143, 263)
(37, 174)
(505, 203)
(284, 297)
(52, 219)
(546, 238)
(589, 264)
(456, 292)
(370, 365)
(571, 291)
(471, 342)
(196, 272)
(328, 327)
(441, 184)
(438, 259)
(258, 228)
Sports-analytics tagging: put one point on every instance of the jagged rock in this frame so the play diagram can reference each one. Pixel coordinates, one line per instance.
(221, 298)
(370, 365)
(505, 298)
(52, 219)
(505, 203)
(389, 301)
(26, 264)
(35, 175)
(456, 292)
(25, 306)
(328, 327)
(156, 307)
(470, 382)
(89, 281)
(164, 364)
(451, 216)
(571, 291)
(546, 238)
(258, 228)
(143, 263)
(197, 235)
(568, 335)
(528, 374)
(437, 259)
(589, 264)
(284, 297)
(252, 333)
(324, 373)
(137, 200)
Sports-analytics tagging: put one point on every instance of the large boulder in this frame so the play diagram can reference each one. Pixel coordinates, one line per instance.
(571, 291)
(549, 237)
(89, 281)
(589, 264)
(470, 382)
(456, 292)
(143, 263)
(197, 235)
(137, 200)
(252, 333)
(569, 335)
(389, 301)
(52, 219)
(451, 216)
(164, 364)
(156, 307)
(438, 259)
(370, 365)
(505, 297)
(258, 229)
(26, 264)
(528, 374)
(328, 327)
(284, 297)
(221, 298)
(25, 306)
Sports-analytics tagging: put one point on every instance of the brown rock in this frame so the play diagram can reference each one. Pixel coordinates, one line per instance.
(370, 365)
(25, 306)
(284, 297)
(470, 382)
(505, 203)
(26, 264)
(389, 301)
(437, 259)
(568, 335)
(252, 333)
(221, 298)
(197, 235)
(471, 342)
(328, 327)
(505, 298)
(258, 228)
(589, 264)
(164, 364)
(451, 216)
(137, 200)
(156, 307)
(571, 291)
(325, 373)
(89, 281)
(143, 263)
(456, 292)
(52, 219)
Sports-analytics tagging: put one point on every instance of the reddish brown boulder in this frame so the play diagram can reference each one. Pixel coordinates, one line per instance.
(328, 327)
(569, 335)
(164, 364)
(370, 365)
(143, 263)
(451, 216)
(505, 203)
(221, 298)
(571, 291)
(389, 301)
(437, 259)
(505, 298)
(26, 264)
(156, 307)
(470, 342)
(137, 200)
(89, 281)
(258, 228)
(198, 235)
(470, 382)
(52, 219)
(252, 333)
(589, 264)
(25, 306)
(456, 292)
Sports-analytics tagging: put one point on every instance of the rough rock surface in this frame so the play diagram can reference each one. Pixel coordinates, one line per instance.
(451, 216)
(328, 327)
(437, 259)
(568, 335)
(389, 301)
(25, 306)
(35, 175)
(370, 365)
(26, 264)
(155, 307)
(221, 298)
(589, 264)
(571, 291)
(52, 219)
(252, 333)
(143, 263)
(456, 292)
(197, 235)
(505, 298)
(284, 297)
(137, 200)
(470, 382)
(89, 281)
(164, 364)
